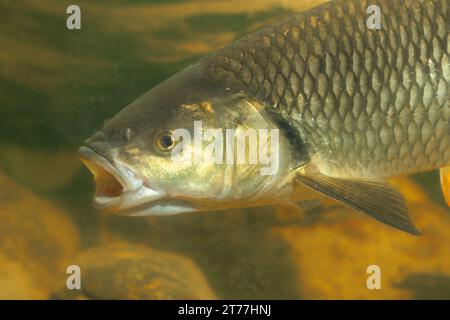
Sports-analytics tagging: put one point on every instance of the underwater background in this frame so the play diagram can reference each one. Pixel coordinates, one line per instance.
(57, 86)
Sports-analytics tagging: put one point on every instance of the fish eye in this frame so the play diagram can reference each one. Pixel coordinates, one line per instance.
(164, 141)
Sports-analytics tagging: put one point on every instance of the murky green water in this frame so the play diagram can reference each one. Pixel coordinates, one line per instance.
(56, 89)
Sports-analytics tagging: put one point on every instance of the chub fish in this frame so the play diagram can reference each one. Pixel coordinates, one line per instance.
(354, 106)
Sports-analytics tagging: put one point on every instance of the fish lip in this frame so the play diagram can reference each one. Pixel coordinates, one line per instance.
(137, 197)
(124, 176)
(90, 154)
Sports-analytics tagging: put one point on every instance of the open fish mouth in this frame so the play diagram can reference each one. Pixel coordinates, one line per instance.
(113, 181)
(120, 191)
(110, 183)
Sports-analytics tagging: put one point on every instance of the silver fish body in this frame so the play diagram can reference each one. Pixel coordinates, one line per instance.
(354, 105)
(368, 103)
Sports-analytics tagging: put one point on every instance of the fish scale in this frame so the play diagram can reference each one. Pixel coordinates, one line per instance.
(369, 103)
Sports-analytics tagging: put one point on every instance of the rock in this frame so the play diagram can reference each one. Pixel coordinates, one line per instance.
(35, 235)
(125, 271)
(332, 255)
(17, 283)
(427, 286)
(237, 252)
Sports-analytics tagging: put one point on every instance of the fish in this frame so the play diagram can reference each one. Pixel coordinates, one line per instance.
(355, 93)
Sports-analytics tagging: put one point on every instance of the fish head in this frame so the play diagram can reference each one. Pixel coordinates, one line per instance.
(170, 151)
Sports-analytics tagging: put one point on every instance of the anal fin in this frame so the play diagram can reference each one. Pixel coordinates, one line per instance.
(445, 183)
(375, 198)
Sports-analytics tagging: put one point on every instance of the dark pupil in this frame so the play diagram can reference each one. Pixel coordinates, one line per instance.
(166, 141)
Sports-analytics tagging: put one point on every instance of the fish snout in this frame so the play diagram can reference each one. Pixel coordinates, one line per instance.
(98, 138)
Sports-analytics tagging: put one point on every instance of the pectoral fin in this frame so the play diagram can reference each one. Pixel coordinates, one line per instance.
(445, 184)
(377, 199)
(310, 205)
